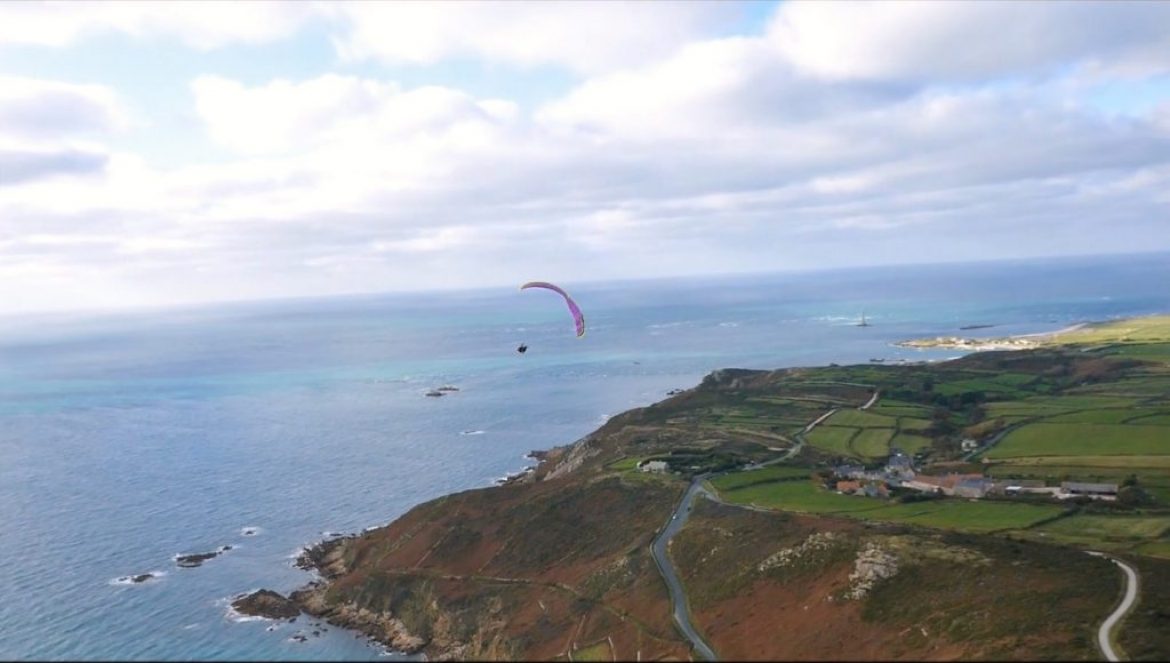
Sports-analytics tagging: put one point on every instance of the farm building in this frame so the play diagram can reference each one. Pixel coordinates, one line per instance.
(1102, 491)
(975, 488)
(968, 445)
(653, 466)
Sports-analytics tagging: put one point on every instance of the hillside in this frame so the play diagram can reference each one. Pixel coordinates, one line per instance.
(556, 565)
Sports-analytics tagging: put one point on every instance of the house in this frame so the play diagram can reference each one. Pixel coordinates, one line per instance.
(877, 490)
(653, 466)
(947, 484)
(1097, 491)
(848, 487)
(968, 445)
(972, 488)
(849, 471)
(1020, 486)
(899, 461)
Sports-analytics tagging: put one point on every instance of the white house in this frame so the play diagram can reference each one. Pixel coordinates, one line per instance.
(653, 466)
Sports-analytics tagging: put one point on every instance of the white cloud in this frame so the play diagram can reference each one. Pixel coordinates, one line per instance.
(203, 25)
(970, 40)
(39, 109)
(583, 36)
(722, 155)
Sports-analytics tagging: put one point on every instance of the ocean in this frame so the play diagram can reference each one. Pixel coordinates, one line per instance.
(127, 439)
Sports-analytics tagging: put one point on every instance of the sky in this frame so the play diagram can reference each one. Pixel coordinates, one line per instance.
(159, 154)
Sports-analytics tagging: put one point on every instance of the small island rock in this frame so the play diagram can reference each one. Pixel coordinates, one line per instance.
(266, 603)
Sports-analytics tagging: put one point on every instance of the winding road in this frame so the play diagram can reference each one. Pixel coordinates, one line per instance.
(660, 551)
(1131, 591)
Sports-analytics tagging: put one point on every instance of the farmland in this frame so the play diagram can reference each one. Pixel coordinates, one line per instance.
(1085, 439)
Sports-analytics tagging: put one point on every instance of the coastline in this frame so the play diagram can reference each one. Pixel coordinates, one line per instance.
(328, 557)
(1016, 342)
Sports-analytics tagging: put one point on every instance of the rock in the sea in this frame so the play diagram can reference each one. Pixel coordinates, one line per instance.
(197, 559)
(299, 638)
(266, 603)
(434, 393)
(141, 577)
(448, 387)
(249, 532)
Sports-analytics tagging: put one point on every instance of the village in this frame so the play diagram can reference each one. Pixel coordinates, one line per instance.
(900, 475)
(899, 472)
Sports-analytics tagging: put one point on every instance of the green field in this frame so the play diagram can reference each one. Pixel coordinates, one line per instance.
(907, 423)
(967, 516)
(861, 419)
(625, 464)
(803, 496)
(1155, 549)
(1094, 417)
(1136, 462)
(910, 443)
(1117, 528)
(834, 439)
(873, 442)
(763, 475)
(1045, 439)
(1152, 420)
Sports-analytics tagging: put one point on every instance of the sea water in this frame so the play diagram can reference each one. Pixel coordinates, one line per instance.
(128, 439)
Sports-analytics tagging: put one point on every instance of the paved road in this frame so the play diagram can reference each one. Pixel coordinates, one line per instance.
(678, 597)
(1131, 591)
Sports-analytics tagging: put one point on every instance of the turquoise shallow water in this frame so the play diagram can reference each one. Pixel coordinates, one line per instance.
(128, 439)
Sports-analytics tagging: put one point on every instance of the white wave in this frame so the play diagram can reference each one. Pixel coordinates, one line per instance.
(188, 627)
(471, 432)
(129, 580)
(728, 324)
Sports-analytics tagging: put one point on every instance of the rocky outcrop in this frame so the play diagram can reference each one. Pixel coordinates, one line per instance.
(382, 627)
(266, 603)
(814, 544)
(873, 563)
(572, 461)
(197, 559)
(327, 557)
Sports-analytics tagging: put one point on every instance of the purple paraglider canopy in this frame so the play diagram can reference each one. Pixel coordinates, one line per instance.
(578, 319)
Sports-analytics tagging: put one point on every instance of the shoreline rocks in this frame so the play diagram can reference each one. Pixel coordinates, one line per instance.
(266, 603)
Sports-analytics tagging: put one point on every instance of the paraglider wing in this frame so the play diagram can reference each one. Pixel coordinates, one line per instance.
(578, 319)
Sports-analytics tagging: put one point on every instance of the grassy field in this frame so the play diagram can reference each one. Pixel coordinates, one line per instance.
(1044, 439)
(1084, 527)
(1152, 420)
(966, 516)
(1129, 462)
(862, 419)
(763, 475)
(873, 442)
(803, 496)
(834, 439)
(961, 515)
(625, 464)
(909, 443)
(1134, 331)
(1094, 417)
